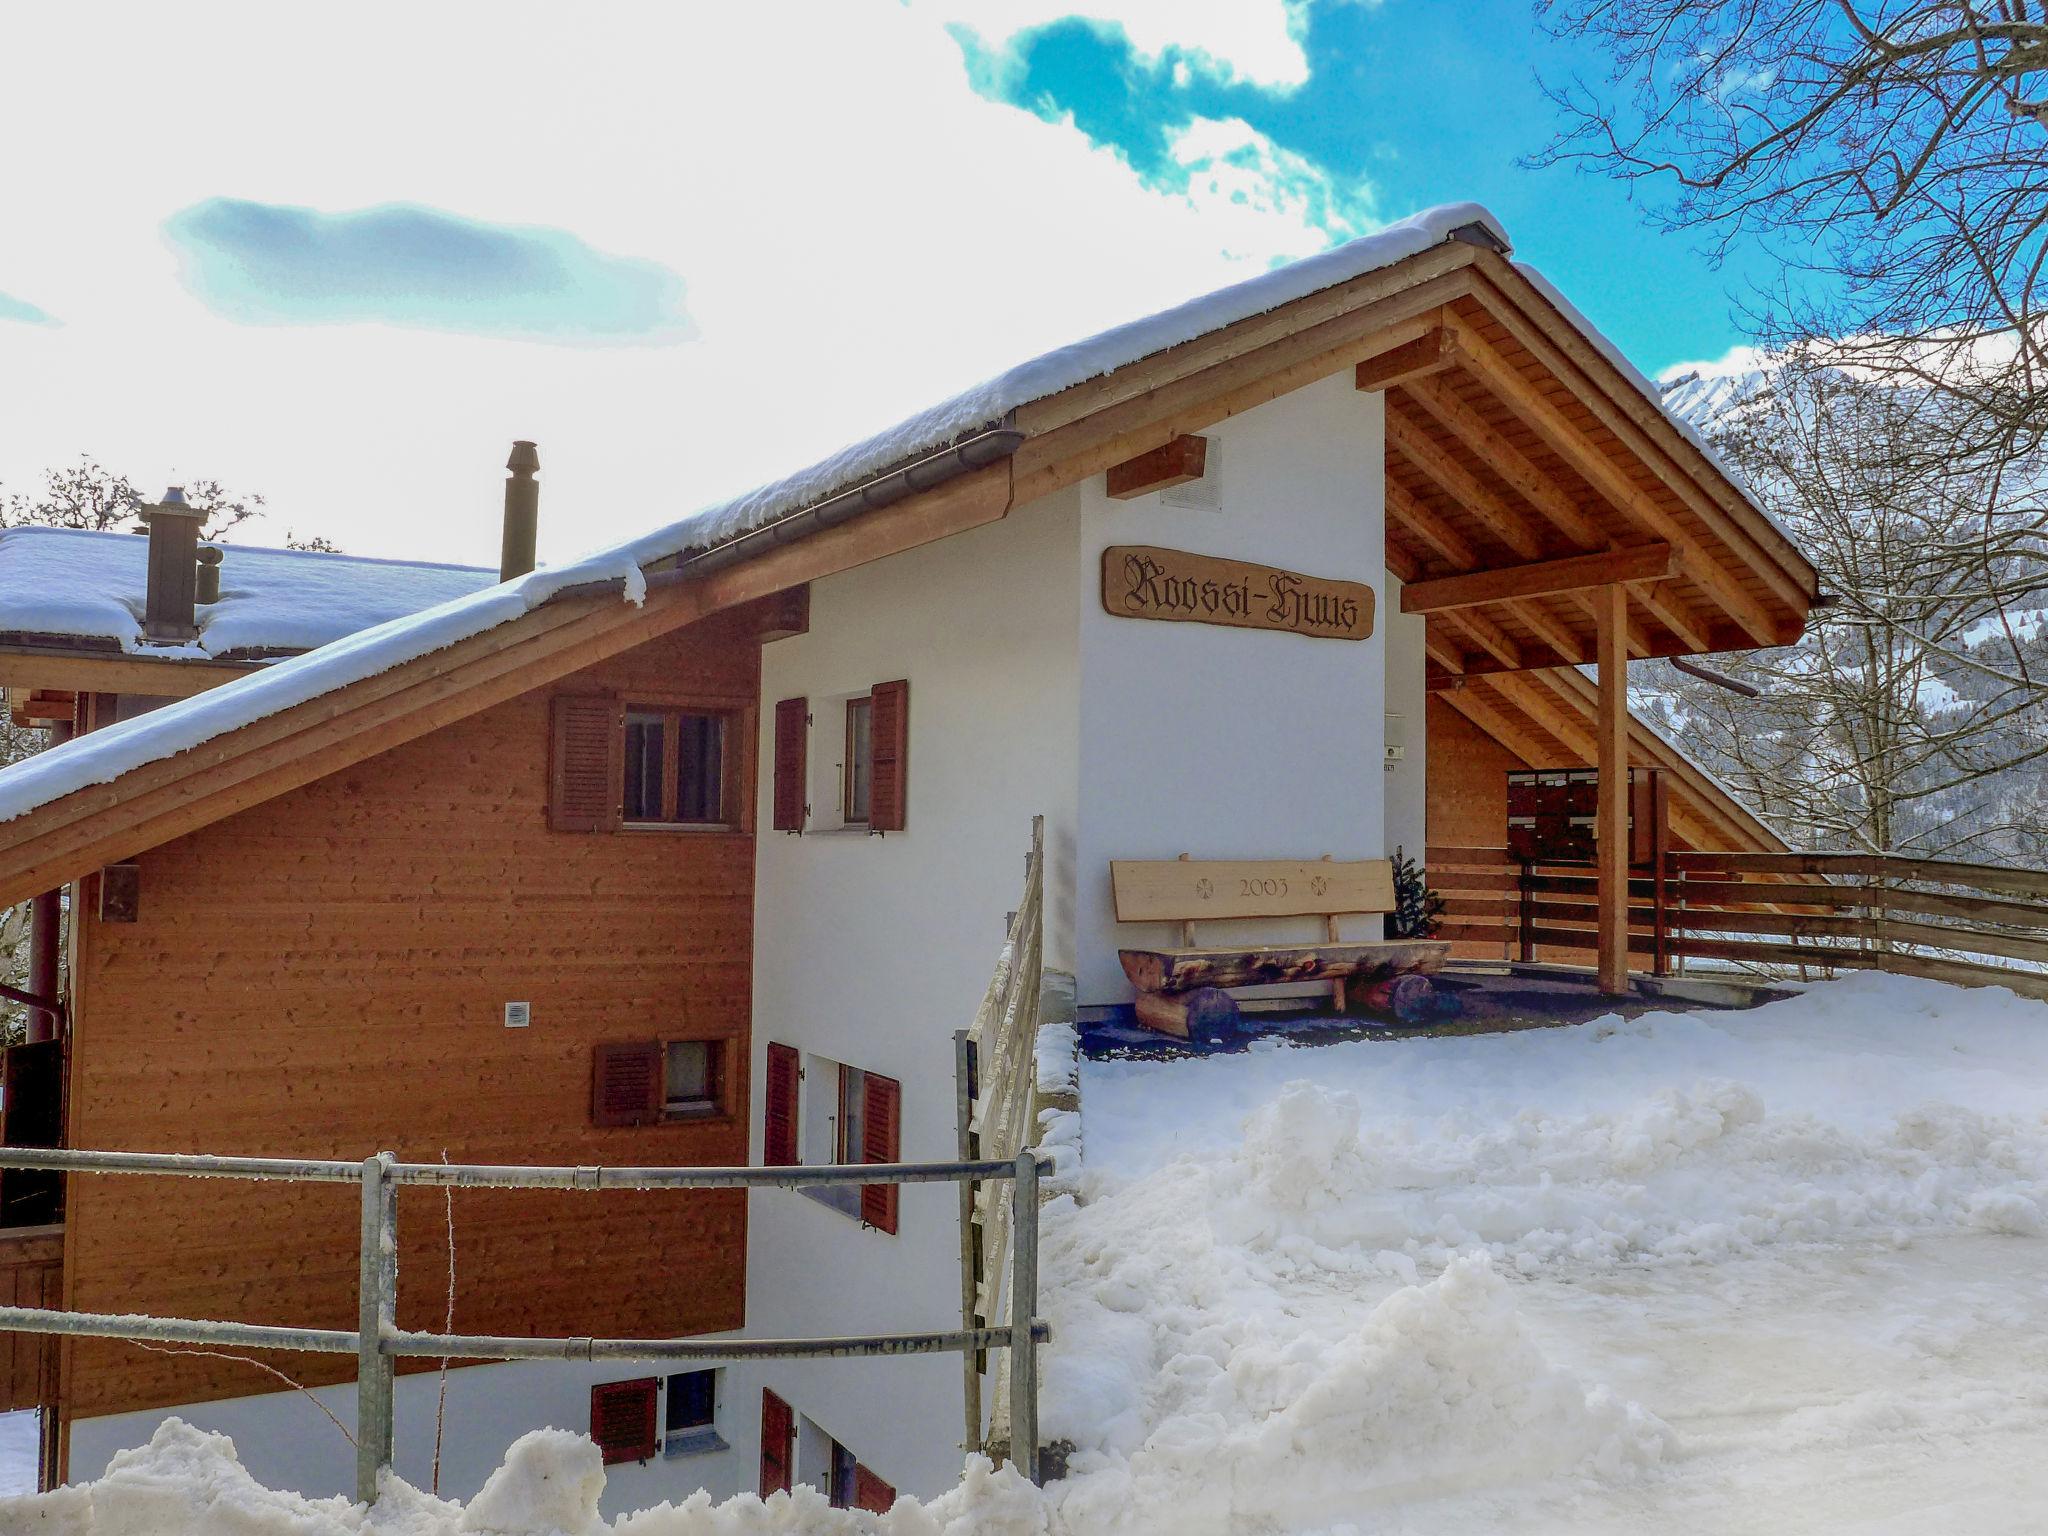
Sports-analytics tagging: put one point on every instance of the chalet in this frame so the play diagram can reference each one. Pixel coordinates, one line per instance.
(699, 850)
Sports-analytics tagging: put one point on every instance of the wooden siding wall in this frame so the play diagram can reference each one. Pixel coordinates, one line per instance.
(326, 974)
(1468, 782)
(31, 1275)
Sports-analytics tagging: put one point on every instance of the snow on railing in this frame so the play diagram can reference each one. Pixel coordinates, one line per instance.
(378, 1342)
(995, 1077)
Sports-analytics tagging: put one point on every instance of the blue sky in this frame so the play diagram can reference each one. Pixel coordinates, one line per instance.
(688, 257)
(1415, 102)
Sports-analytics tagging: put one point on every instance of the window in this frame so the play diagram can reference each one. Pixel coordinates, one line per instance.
(643, 1082)
(859, 1123)
(691, 1077)
(690, 1417)
(852, 1137)
(857, 786)
(675, 768)
(645, 766)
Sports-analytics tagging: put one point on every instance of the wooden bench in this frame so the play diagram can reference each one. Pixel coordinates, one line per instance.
(1180, 990)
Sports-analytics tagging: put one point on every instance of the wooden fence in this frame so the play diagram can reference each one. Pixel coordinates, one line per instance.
(1802, 913)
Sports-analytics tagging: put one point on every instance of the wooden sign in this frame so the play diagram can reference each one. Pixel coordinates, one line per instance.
(1140, 582)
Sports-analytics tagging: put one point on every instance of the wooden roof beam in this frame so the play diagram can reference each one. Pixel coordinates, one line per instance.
(1638, 638)
(1170, 464)
(1565, 439)
(1639, 423)
(1425, 523)
(1514, 467)
(1492, 639)
(1430, 353)
(1569, 645)
(1461, 485)
(1663, 604)
(1438, 647)
(1542, 578)
(1482, 713)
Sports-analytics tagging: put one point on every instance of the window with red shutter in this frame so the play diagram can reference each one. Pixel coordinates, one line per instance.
(870, 1492)
(779, 1107)
(792, 733)
(778, 1444)
(622, 1419)
(881, 1142)
(889, 728)
(626, 1082)
(586, 766)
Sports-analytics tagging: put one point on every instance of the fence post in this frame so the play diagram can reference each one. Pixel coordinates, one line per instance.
(1024, 1315)
(376, 1318)
(970, 1248)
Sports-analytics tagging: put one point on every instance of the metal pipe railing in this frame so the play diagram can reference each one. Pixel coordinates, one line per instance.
(378, 1342)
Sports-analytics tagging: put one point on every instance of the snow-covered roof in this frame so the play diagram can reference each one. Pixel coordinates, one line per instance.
(90, 586)
(105, 755)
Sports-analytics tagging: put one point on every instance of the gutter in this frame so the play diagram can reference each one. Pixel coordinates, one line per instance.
(978, 450)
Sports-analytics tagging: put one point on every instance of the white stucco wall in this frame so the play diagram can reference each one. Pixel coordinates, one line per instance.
(1407, 781)
(873, 950)
(287, 1442)
(1233, 743)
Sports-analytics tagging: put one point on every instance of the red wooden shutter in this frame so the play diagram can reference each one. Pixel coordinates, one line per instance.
(778, 1444)
(778, 1123)
(881, 1142)
(792, 733)
(870, 1492)
(622, 1419)
(625, 1083)
(587, 764)
(889, 723)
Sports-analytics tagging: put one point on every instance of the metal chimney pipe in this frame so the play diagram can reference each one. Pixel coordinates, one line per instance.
(173, 569)
(209, 575)
(522, 511)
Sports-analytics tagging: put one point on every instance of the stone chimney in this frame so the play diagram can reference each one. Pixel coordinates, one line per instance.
(522, 511)
(173, 567)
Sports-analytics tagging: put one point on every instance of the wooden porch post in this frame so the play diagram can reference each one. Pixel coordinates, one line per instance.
(1610, 615)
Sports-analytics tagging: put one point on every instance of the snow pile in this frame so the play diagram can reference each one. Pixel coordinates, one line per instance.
(187, 1482)
(72, 581)
(1875, 1106)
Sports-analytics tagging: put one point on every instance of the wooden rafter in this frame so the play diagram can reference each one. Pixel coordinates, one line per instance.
(1638, 424)
(1569, 645)
(1462, 485)
(1491, 637)
(1430, 353)
(1428, 525)
(1564, 438)
(1516, 469)
(1170, 464)
(1542, 578)
(1483, 711)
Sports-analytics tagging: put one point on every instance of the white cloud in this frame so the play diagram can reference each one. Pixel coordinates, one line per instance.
(859, 231)
(1255, 41)
(1734, 363)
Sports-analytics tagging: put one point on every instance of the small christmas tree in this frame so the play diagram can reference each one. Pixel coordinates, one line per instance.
(1416, 906)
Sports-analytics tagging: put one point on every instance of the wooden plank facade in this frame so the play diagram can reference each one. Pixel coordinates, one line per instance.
(326, 974)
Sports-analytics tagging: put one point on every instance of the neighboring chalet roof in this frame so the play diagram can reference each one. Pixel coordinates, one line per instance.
(74, 588)
(1547, 718)
(1535, 442)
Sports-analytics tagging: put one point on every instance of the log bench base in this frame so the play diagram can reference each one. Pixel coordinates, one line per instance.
(1180, 991)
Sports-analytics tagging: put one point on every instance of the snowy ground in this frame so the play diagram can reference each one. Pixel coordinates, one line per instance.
(1774, 1271)
(1780, 1270)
